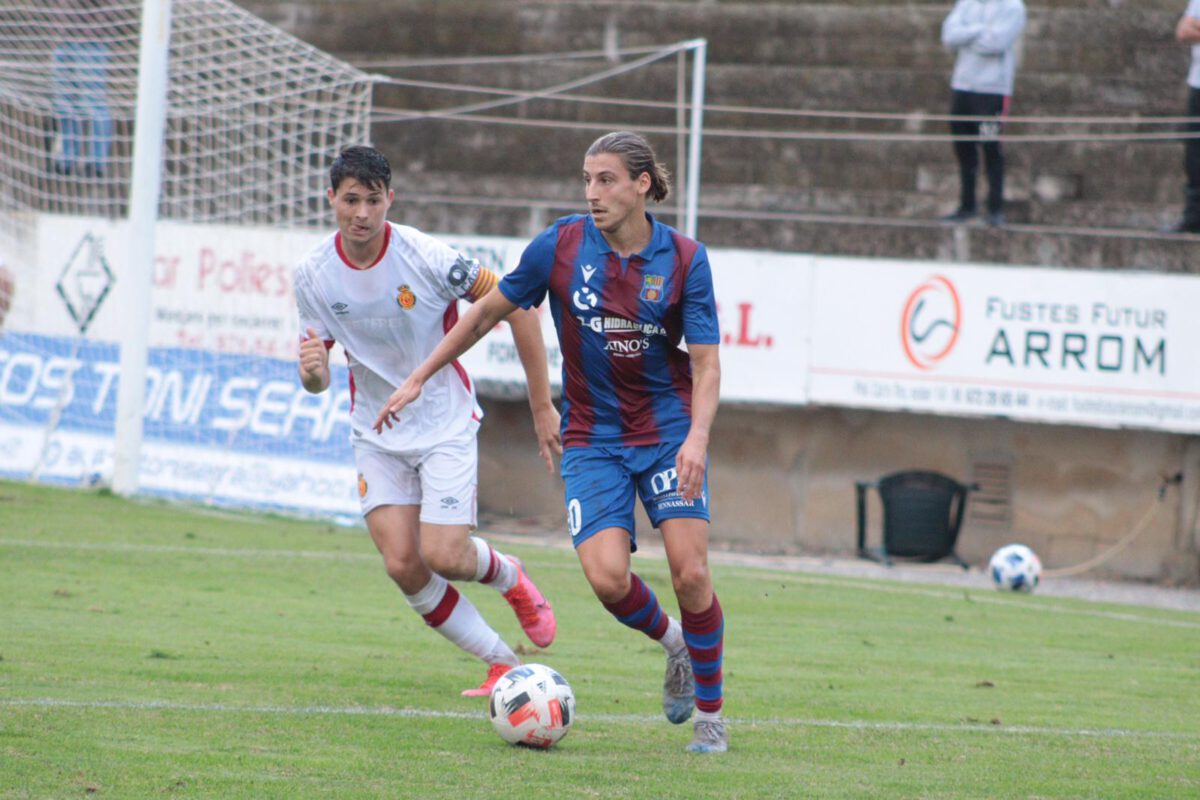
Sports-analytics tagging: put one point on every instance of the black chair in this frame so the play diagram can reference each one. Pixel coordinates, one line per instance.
(922, 513)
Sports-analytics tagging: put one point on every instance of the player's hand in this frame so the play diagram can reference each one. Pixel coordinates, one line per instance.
(547, 425)
(409, 391)
(689, 466)
(314, 356)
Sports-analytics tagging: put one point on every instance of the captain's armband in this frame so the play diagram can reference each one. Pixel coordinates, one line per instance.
(470, 280)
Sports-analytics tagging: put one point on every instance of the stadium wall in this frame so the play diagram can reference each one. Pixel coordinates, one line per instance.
(783, 479)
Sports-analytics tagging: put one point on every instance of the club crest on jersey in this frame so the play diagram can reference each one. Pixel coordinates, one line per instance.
(405, 297)
(652, 287)
(362, 485)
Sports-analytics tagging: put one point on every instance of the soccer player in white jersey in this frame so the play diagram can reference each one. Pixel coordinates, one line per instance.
(389, 293)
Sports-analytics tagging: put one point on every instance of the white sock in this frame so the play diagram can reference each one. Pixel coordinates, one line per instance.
(488, 559)
(707, 716)
(502, 654)
(672, 640)
(453, 616)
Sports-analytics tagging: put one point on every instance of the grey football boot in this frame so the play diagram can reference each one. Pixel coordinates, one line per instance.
(679, 690)
(710, 737)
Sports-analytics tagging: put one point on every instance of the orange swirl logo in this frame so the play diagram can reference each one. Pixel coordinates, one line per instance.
(931, 321)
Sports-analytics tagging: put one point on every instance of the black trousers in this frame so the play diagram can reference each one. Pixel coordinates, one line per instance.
(1191, 162)
(978, 104)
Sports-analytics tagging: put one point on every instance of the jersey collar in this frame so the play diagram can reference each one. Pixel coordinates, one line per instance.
(387, 238)
(660, 238)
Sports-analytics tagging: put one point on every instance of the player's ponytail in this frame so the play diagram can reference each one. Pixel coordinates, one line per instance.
(638, 156)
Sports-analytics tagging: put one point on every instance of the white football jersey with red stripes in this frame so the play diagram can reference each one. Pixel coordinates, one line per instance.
(389, 317)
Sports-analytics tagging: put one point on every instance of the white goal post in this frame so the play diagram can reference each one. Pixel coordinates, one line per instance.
(125, 113)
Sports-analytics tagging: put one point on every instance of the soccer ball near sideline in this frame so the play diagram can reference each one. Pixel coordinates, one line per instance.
(1015, 568)
(532, 705)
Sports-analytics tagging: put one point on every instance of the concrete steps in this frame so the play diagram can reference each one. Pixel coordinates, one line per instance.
(1080, 58)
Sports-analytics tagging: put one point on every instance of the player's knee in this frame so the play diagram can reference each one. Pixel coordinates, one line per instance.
(691, 578)
(609, 587)
(449, 559)
(403, 568)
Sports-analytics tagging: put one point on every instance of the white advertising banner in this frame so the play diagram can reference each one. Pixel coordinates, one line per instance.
(229, 290)
(1082, 347)
(762, 300)
(221, 288)
(226, 420)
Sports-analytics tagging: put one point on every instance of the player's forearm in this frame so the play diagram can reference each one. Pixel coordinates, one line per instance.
(531, 349)
(480, 318)
(706, 394)
(316, 381)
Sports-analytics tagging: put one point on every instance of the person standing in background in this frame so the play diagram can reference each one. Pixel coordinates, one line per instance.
(79, 79)
(984, 34)
(1188, 32)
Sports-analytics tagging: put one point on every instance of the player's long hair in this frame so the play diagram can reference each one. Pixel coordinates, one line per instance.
(638, 157)
(364, 164)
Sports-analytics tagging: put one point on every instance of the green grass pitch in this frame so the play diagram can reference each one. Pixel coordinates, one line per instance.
(152, 650)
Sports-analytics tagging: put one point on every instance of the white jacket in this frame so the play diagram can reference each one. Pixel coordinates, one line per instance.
(1193, 79)
(985, 34)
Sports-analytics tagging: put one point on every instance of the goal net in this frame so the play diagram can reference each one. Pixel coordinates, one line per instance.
(254, 117)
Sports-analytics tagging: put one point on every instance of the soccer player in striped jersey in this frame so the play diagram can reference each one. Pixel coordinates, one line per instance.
(624, 291)
(389, 293)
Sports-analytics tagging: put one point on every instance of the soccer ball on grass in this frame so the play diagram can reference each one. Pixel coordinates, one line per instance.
(532, 705)
(1015, 568)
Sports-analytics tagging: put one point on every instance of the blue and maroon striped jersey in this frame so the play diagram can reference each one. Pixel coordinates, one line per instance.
(625, 380)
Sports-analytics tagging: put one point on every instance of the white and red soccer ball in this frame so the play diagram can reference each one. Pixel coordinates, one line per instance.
(532, 705)
(1015, 568)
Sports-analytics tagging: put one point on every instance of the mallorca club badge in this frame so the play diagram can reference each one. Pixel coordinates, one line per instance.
(405, 297)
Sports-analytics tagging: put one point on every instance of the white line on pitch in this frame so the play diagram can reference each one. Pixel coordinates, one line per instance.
(963, 594)
(173, 549)
(423, 713)
(966, 594)
(132, 547)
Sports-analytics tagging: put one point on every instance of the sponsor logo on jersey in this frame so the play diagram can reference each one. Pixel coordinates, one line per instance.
(626, 348)
(588, 270)
(405, 297)
(652, 288)
(362, 485)
(609, 324)
(585, 299)
(340, 308)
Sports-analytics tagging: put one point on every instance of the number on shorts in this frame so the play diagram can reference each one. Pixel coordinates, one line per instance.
(574, 517)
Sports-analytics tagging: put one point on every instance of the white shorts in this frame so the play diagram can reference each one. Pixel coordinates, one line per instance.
(442, 480)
